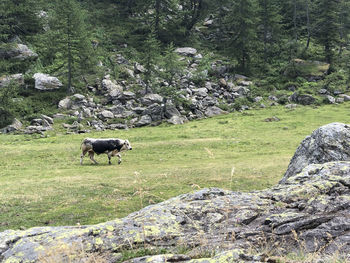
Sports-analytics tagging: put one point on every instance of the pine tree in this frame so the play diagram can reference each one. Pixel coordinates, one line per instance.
(68, 49)
(151, 49)
(241, 26)
(327, 26)
(270, 20)
(18, 18)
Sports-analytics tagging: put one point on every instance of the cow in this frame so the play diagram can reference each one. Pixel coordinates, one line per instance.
(111, 147)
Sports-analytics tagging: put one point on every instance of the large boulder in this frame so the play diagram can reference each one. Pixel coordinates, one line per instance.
(309, 213)
(304, 99)
(45, 82)
(17, 52)
(213, 111)
(326, 144)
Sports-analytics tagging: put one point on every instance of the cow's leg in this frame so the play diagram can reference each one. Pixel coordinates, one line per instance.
(119, 158)
(82, 156)
(91, 155)
(110, 154)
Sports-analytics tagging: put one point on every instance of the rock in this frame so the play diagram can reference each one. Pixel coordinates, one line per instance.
(17, 52)
(65, 104)
(326, 144)
(127, 95)
(176, 120)
(171, 111)
(155, 111)
(186, 51)
(150, 99)
(111, 87)
(118, 126)
(323, 91)
(208, 22)
(302, 99)
(144, 121)
(15, 126)
(213, 111)
(258, 99)
(46, 82)
(346, 97)
(339, 100)
(272, 119)
(138, 68)
(311, 207)
(16, 79)
(106, 114)
(201, 92)
(291, 106)
(330, 99)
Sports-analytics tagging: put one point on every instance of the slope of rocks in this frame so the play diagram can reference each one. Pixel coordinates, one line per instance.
(308, 211)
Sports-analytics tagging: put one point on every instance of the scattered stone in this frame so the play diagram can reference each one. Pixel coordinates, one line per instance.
(105, 114)
(45, 82)
(304, 99)
(213, 111)
(65, 104)
(15, 126)
(272, 119)
(17, 52)
(330, 99)
(144, 121)
(186, 51)
(150, 99)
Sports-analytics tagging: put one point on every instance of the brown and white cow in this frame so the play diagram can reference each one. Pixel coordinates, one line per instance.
(111, 147)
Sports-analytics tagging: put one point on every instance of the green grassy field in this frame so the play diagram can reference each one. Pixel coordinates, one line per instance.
(42, 182)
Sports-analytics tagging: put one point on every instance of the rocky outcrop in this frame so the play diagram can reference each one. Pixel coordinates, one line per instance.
(45, 82)
(17, 51)
(308, 212)
(326, 144)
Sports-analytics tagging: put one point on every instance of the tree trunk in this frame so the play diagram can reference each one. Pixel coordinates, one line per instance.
(69, 46)
(308, 24)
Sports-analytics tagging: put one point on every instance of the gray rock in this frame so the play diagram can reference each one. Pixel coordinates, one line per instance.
(330, 99)
(186, 51)
(323, 91)
(258, 99)
(15, 126)
(106, 114)
(176, 120)
(111, 87)
(144, 121)
(291, 106)
(171, 111)
(45, 82)
(16, 79)
(346, 97)
(65, 104)
(138, 68)
(155, 111)
(150, 99)
(339, 100)
(303, 99)
(213, 111)
(326, 144)
(17, 52)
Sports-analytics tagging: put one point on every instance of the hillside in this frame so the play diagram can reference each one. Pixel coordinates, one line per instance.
(135, 63)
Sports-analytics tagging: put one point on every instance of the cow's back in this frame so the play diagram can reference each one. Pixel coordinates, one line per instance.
(103, 146)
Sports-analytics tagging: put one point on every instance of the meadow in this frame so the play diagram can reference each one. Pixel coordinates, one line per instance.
(42, 182)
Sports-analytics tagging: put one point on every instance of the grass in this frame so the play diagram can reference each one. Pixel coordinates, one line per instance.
(42, 182)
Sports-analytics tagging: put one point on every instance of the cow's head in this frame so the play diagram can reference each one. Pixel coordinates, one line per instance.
(127, 145)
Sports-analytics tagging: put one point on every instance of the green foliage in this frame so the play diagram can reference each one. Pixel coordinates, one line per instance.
(67, 49)
(18, 18)
(7, 104)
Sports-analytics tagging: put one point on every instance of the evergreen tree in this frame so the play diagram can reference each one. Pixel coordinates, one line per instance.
(68, 48)
(172, 68)
(18, 18)
(241, 27)
(270, 33)
(150, 59)
(327, 26)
